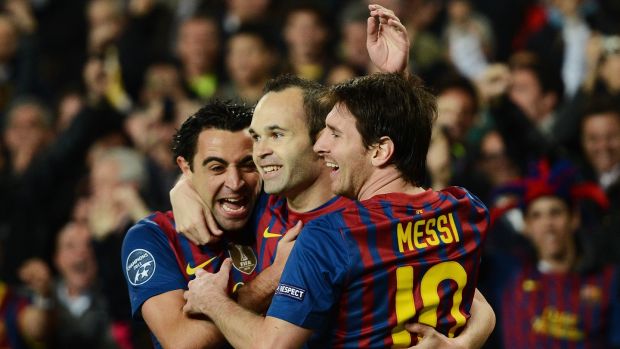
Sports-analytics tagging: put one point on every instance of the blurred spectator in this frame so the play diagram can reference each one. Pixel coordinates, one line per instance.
(39, 198)
(18, 53)
(469, 38)
(250, 59)
(243, 12)
(426, 49)
(557, 30)
(353, 37)
(556, 298)
(117, 178)
(603, 77)
(24, 322)
(306, 33)
(28, 130)
(81, 315)
(537, 90)
(198, 46)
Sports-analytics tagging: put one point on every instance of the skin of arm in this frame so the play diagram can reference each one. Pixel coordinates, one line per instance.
(474, 335)
(242, 328)
(173, 328)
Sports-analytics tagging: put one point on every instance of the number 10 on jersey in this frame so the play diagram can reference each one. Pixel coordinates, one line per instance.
(405, 306)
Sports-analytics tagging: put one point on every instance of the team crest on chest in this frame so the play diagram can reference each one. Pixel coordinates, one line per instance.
(243, 258)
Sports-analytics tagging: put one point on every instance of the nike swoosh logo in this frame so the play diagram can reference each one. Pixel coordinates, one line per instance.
(267, 234)
(191, 271)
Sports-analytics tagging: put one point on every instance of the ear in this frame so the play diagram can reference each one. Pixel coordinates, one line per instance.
(184, 166)
(382, 151)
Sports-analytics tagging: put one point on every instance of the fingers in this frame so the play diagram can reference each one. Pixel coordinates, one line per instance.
(420, 329)
(226, 266)
(211, 224)
(292, 233)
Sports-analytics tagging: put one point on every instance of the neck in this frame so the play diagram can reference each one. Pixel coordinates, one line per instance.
(300, 57)
(313, 196)
(386, 180)
(195, 70)
(562, 263)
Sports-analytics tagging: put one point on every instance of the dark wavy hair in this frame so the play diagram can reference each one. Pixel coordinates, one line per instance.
(221, 115)
(396, 106)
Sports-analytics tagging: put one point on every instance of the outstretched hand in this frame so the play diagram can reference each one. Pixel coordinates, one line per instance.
(387, 40)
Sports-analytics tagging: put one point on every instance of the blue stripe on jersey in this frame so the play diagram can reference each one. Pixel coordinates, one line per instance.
(460, 247)
(476, 204)
(380, 276)
(353, 309)
(442, 252)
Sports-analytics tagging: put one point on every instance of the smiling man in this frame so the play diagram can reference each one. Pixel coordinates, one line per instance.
(214, 152)
(399, 254)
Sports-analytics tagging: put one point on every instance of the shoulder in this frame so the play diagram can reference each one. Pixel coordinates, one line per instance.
(149, 228)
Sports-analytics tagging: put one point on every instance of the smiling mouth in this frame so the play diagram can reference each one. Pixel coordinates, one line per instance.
(233, 205)
(271, 168)
(332, 166)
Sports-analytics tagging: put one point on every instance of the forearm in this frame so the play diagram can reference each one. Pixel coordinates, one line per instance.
(241, 327)
(480, 324)
(256, 295)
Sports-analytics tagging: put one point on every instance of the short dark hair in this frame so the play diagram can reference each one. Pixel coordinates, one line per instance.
(601, 105)
(548, 76)
(315, 107)
(396, 106)
(221, 115)
(456, 81)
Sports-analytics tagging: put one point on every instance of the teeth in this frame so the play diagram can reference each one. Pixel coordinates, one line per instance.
(230, 209)
(332, 165)
(268, 169)
(232, 200)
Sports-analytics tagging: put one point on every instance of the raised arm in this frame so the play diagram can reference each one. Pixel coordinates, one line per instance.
(387, 40)
(192, 216)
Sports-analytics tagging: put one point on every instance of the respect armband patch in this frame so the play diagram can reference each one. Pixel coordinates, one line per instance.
(291, 291)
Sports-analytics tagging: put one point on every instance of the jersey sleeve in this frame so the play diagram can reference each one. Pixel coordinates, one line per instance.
(313, 276)
(149, 264)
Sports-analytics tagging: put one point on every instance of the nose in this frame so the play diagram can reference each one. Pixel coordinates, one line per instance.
(261, 149)
(321, 145)
(234, 181)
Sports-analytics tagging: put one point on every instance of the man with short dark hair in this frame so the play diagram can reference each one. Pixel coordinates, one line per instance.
(214, 152)
(358, 274)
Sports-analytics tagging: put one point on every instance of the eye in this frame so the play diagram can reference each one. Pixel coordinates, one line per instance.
(277, 135)
(217, 168)
(255, 137)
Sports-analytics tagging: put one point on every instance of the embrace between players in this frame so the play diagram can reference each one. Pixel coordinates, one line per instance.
(376, 252)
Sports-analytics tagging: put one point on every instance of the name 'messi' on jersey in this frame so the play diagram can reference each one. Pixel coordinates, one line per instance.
(422, 233)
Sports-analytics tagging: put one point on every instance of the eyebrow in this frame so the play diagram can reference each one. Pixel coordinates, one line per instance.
(213, 158)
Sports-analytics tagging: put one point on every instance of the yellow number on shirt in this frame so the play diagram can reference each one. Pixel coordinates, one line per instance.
(405, 307)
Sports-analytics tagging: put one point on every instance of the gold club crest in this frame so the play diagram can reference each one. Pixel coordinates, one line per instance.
(243, 258)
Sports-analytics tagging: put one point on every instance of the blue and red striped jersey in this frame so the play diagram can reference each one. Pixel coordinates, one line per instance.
(11, 307)
(275, 219)
(377, 264)
(561, 310)
(156, 259)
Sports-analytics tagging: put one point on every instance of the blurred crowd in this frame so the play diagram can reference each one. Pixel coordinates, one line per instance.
(91, 93)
